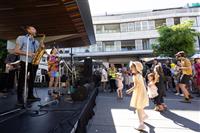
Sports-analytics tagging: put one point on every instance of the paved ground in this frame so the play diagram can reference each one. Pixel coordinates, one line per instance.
(115, 116)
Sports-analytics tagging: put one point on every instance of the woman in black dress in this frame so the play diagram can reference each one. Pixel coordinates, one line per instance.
(159, 101)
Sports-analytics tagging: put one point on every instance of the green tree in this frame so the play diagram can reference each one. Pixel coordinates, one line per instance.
(175, 38)
(3, 54)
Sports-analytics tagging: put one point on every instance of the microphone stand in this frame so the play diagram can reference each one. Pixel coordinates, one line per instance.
(24, 108)
(26, 74)
(29, 110)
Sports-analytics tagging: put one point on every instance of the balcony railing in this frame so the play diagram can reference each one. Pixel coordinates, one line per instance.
(108, 53)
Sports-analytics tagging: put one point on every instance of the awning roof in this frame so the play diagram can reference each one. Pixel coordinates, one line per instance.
(67, 23)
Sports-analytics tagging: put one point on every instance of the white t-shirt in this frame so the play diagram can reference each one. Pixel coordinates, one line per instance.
(104, 75)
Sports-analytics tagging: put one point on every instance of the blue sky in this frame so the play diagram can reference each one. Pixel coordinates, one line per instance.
(100, 7)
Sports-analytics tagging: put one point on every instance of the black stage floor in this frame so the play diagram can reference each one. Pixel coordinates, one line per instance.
(63, 117)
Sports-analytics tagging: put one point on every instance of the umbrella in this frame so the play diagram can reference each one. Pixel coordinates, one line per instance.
(196, 56)
(163, 58)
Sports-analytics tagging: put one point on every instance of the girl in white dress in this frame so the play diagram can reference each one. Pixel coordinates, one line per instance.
(152, 89)
(119, 80)
(139, 98)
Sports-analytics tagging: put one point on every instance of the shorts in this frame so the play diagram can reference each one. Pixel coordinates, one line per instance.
(185, 79)
(54, 74)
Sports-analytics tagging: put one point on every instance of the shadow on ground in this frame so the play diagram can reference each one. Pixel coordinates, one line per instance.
(181, 121)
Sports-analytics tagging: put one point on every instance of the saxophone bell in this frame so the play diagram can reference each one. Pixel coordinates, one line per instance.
(40, 52)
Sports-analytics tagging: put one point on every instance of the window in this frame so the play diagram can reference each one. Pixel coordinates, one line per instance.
(99, 29)
(177, 21)
(127, 27)
(131, 27)
(194, 19)
(144, 25)
(146, 44)
(152, 41)
(74, 50)
(109, 45)
(128, 45)
(138, 26)
(151, 25)
(87, 51)
(92, 48)
(99, 47)
(111, 28)
(160, 22)
(66, 51)
(124, 27)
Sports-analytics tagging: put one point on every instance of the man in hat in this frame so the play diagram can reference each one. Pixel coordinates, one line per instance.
(186, 69)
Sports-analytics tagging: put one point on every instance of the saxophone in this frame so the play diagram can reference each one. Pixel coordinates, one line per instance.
(40, 52)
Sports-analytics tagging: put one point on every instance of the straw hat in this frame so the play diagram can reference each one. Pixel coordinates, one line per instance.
(138, 65)
(179, 53)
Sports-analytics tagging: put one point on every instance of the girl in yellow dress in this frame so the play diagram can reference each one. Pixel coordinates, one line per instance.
(139, 98)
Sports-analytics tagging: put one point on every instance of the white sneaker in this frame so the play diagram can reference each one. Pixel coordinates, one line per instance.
(182, 95)
(177, 94)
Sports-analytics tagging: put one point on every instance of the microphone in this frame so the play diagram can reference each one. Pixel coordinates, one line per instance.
(40, 35)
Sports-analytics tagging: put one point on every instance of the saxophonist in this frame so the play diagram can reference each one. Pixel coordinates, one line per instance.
(20, 49)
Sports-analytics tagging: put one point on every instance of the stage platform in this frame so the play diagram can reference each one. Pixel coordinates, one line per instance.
(63, 117)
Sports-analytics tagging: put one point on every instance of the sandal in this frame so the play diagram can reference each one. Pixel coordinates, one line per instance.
(161, 108)
(164, 105)
(141, 127)
(156, 108)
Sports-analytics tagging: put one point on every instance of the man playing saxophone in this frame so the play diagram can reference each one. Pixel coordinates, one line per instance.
(20, 49)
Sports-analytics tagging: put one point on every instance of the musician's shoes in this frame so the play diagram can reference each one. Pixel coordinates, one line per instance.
(19, 104)
(33, 99)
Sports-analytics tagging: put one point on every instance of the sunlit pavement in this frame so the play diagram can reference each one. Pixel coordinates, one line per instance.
(115, 116)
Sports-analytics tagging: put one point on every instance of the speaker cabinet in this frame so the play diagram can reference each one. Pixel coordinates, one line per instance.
(80, 94)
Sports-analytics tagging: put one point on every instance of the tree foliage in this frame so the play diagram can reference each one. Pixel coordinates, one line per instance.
(3, 54)
(176, 38)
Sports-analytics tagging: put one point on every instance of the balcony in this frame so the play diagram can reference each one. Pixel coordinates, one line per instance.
(108, 53)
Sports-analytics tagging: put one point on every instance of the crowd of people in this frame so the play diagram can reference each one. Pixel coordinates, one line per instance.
(180, 76)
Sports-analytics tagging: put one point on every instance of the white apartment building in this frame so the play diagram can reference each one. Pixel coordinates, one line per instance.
(121, 37)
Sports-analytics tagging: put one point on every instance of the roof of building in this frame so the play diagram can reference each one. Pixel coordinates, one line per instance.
(67, 23)
(144, 11)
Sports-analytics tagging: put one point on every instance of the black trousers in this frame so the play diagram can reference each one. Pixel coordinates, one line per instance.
(159, 99)
(112, 84)
(11, 79)
(161, 91)
(31, 78)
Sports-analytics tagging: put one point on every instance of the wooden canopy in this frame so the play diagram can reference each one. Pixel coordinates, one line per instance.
(67, 23)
